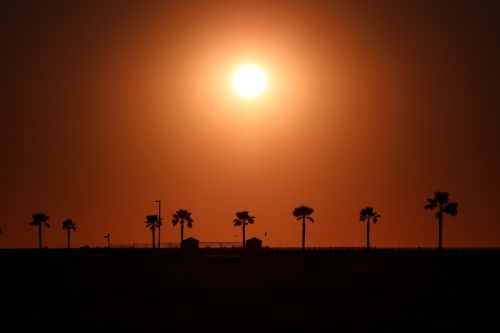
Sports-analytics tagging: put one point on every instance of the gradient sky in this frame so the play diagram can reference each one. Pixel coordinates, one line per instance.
(108, 106)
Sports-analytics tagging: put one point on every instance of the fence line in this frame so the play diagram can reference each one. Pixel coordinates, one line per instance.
(236, 245)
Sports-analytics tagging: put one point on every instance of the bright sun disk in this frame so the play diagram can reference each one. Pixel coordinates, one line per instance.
(249, 81)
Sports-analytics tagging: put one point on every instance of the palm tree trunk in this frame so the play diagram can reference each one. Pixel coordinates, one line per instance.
(40, 236)
(440, 216)
(244, 241)
(69, 237)
(159, 236)
(153, 233)
(159, 221)
(182, 233)
(303, 233)
(368, 234)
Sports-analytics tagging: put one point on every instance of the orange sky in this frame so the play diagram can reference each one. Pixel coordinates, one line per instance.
(108, 108)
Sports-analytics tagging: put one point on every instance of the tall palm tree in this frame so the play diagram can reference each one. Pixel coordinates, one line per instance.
(442, 202)
(69, 225)
(152, 224)
(242, 219)
(303, 213)
(367, 214)
(40, 219)
(160, 222)
(180, 217)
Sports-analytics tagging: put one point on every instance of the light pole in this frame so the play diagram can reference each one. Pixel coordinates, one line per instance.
(159, 221)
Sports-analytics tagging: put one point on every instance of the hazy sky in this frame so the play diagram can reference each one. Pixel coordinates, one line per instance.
(107, 106)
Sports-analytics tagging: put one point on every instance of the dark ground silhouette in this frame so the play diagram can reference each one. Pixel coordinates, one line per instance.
(222, 290)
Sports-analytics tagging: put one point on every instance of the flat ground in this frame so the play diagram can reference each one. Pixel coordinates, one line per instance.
(225, 290)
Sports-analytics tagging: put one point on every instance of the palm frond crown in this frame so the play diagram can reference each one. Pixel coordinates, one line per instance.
(69, 225)
(303, 212)
(151, 221)
(181, 216)
(451, 208)
(243, 217)
(442, 199)
(368, 213)
(39, 219)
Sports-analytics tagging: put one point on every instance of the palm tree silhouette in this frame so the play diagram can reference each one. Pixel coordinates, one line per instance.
(69, 225)
(39, 219)
(108, 237)
(152, 224)
(441, 201)
(160, 222)
(367, 214)
(243, 218)
(180, 217)
(303, 213)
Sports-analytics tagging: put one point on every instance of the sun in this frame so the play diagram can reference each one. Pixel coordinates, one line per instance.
(249, 81)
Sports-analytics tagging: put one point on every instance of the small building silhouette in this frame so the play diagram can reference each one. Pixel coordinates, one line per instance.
(253, 243)
(190, 243)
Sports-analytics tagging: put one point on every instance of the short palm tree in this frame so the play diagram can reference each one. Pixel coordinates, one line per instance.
(303, 213)
(180, 217)
(152, 224)
(108, 237)
(242, 219)
(442, 202)
(69, 225)
(40, 219)
(367, 214)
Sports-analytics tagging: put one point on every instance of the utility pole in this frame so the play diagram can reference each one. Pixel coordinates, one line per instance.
(159, 221)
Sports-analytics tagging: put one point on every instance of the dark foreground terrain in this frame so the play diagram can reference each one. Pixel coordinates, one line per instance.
(221, 291)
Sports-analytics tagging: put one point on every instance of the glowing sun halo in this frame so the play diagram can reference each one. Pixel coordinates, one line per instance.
(249, 81)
